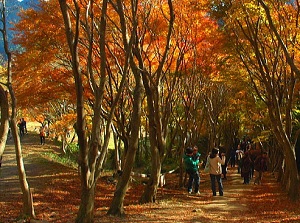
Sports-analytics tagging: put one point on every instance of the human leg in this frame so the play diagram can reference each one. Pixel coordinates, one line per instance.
(196, 182)
(247, 178)
(260, 177)
(250, 173)
(239, 166)
(190, 183)
(42, 139)
(220, 185)
(213, 184)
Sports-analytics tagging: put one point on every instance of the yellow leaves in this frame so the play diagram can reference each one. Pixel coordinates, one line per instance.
(64, 124)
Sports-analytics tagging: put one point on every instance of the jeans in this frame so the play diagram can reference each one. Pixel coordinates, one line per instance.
(213, 179)
(194, 178)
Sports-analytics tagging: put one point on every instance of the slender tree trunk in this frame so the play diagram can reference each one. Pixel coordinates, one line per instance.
(4, 119)
(116, 207)
(117, 151)
(28, 210)
(182, 178)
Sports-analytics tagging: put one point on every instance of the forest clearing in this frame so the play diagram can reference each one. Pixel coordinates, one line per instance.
(56, 195)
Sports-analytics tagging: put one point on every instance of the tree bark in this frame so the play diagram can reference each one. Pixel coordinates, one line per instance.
(149, 195)
(87, 202)
(4, 126)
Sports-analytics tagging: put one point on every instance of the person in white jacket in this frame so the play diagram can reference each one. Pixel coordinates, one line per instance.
(215, 170)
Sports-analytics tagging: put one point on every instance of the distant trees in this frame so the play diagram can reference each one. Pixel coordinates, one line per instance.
(265, 40)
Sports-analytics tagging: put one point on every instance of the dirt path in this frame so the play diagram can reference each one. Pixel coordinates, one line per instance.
(56, 192)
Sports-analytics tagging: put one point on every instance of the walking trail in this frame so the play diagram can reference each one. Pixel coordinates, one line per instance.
(56, 194)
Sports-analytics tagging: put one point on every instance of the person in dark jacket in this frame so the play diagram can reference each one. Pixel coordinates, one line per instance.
(191, 166)
(260, 166)
(232, 157)
(246, 167)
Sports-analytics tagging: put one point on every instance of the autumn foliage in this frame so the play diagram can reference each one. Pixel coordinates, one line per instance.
(216, 77)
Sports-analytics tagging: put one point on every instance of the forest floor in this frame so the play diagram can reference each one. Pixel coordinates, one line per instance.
(56, 195)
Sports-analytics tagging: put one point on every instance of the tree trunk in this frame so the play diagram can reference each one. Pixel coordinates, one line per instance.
(86, 209)
(28, 210)
(117, 158)
(116, 207)
(4, 119)
(149, 195)
(291, 170)
(182, 177)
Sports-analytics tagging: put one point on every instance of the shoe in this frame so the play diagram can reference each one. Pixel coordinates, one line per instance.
(197, 194)
(190, 192)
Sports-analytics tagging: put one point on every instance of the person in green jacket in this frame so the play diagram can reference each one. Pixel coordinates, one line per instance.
(191, 167)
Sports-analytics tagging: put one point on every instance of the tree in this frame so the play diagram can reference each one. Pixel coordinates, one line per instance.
(28, 209)
(88, 35)
(271, 69)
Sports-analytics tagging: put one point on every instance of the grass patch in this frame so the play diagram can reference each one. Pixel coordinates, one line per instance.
(70, 158)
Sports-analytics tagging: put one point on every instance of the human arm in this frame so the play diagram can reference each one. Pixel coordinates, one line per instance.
(222, 161)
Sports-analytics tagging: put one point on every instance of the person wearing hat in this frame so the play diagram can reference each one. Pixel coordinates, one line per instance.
(191, 166)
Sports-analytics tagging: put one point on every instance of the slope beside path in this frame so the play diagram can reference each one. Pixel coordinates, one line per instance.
(56, 194)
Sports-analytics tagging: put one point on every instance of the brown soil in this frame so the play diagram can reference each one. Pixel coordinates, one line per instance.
(56, 194)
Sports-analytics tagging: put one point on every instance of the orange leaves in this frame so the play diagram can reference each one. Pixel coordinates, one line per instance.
(64, 124)
(39, 76)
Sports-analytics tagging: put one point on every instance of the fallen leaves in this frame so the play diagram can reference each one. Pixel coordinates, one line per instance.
(57, 197)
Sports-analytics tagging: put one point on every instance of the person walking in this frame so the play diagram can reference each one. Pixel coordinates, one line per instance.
(239, 155)
(260, 166)
(22, 127)
(232, 157)
(246, 167)
(215, 170)
(191, 166)
(42, 135)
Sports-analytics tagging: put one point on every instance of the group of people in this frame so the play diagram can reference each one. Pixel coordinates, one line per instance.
(43, 131)
(251, 164)
(213, 165)
(22, 127)
(192, 159)
(248, 164)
